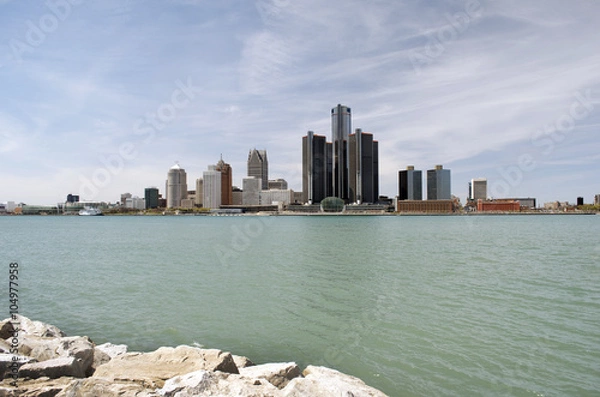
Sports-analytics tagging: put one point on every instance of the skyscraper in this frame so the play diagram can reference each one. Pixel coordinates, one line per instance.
(316, 161)
(410, 184)
(362, 171)
(478, 189)
(258, 166)
(211, 187)
(176, 186)
(226, 182)
(151, 197)
(341, 125)
(438, 184)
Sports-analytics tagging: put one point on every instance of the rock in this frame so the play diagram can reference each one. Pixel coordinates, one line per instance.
(112, 350)
(191, 384)
(204, 383)
(164, 363)
(93, 387)
(42, 387)
(10, 361)
(42, 349)
(37, 347)
(6, 329)
(36, 328)
(242, 362)
(278, 374)
(53, 369)
(100, 358)
(326, 382)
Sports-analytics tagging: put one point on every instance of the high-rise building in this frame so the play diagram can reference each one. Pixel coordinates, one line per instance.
(258, 166)
(278, 184)
(176, 186)
(410, 184)
(199, 192)
(251, 187)
(478, 190)
(438, 184)
(362, 171)
(226, 182)
(212, 182)
(124, 197)
(597, 199)
(341, 125)
(151, 197)
(316, 168)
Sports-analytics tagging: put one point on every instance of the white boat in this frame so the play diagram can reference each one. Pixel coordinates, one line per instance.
(89, 211)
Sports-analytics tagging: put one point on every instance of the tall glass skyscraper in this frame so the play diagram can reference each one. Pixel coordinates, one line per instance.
(316, 168)
(341, 126)
(258, 166)
(438, 184)
(410, 184)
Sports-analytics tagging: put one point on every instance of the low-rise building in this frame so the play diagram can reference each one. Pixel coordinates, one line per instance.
(425, 207)
(498, 206)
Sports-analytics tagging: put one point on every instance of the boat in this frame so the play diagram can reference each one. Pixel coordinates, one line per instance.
(89, 211)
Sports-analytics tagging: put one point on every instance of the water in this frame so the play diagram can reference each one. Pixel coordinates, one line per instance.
(415, 306)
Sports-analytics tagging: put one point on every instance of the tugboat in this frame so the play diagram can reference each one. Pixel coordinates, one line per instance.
(89, 211)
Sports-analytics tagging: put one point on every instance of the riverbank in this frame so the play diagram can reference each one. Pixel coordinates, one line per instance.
(39, 360)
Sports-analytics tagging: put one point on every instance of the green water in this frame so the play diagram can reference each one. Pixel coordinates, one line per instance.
(415, 306)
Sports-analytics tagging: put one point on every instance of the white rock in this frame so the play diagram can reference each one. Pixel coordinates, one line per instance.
(326, 382)
(278, 374)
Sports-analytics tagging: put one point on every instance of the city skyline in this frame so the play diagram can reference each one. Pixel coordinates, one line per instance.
(502, 91)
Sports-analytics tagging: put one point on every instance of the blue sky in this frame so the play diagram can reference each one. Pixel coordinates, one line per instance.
(102, 97)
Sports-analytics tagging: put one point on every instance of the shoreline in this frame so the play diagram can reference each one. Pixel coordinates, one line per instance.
(50, 363)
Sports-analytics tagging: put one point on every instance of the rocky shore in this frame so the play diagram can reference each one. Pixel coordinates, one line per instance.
(39, 360)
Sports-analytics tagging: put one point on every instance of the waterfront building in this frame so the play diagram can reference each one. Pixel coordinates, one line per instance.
(135, 203)
(316, 168)
(498, 206)
(278, 184)
(199, 192)
(580, 201)
(226, 182)
(410, 184)
(72, 198)
(341, 126)
(124, 198)
(212, 183)
(251, 188)
(176, 186)
(425, 207)
(238, 196)
(478, 189)
(258, 167)
(529, 203)
(151, 197)
(276, 196)
(597, 199)
(438, 184)
(363, 168)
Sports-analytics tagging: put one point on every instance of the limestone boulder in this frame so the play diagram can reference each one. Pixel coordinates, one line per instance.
(204, 383)
(42, 387)
(53, 369)
(112, 350)
(326, 382)
(242, 361)
(36, 328)
(93, 387)
(10, 361)
(278, 374)
(165, 363)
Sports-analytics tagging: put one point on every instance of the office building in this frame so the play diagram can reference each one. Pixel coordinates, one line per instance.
(226, 182)
(124, 197)
(258, 166)
(278, 184)
(438, 184)
(176, 186)
(341, 126)
(135, 203)
(151, 197)
(410, 184)
(72, 198)
(212, 182)
(478, 189)
(580, 201)
(362, 170)
(199, 192)
(316, 168)
(597, 199)
(251, 188)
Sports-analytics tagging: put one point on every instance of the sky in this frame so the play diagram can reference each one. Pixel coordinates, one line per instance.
(102, 97)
